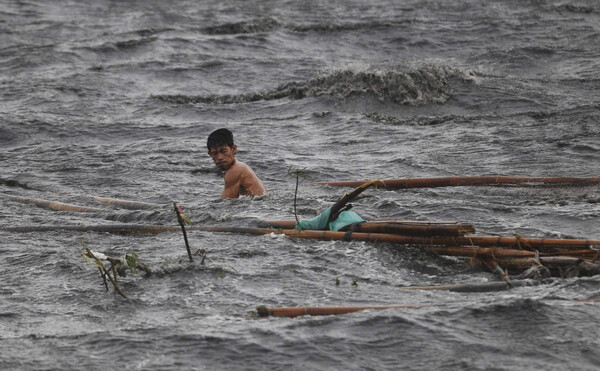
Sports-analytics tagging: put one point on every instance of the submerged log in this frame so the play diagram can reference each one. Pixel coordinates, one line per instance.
(407, 228)
(468, 181)
(292, 312)
(53, 205)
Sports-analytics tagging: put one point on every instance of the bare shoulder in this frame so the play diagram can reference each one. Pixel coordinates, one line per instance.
(236, 170)
(244, 167)
(251, 185)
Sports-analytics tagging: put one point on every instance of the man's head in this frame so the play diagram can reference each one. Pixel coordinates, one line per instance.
(221, 148)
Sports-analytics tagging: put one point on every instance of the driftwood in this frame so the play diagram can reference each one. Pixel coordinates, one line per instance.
(118, 267)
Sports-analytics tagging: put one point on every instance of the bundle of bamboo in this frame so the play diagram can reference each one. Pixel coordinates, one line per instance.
(495, 252)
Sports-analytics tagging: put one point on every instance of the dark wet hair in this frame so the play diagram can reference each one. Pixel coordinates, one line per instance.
(219, 138)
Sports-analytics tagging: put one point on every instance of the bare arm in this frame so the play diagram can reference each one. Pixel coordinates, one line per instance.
(232, 183)
(240, 179)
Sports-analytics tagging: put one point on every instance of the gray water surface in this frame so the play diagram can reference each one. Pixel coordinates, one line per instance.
(116, 99)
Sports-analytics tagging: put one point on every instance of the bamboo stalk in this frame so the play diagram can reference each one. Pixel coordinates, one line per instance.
(467, 241)
(482, 241)
(500, 252)
(497, 252)
(53, 205)
(292, 312)
(118, 229)
(393, 227)
(467, 181)
(126, 204)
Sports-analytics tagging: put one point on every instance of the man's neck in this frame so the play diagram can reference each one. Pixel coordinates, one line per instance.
(232, 165)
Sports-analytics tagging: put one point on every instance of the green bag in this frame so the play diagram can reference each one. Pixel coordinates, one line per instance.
(320, 222)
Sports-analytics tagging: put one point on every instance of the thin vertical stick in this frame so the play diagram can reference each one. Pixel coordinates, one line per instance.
(181, 221)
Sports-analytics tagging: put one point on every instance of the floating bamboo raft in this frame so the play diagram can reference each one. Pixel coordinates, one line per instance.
(497, 253)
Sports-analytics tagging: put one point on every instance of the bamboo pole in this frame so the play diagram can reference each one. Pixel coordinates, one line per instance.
(53, 205)
(500, 252)
(467, 241)
(563, 246)
(482, 241)
(408, 228)
(292, 312)
(126, 204)
(467, 181)
(118, 229)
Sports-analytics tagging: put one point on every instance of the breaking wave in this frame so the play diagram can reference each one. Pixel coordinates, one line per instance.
(269, 24)
(425, 85)
(243, 27)
(337, 27)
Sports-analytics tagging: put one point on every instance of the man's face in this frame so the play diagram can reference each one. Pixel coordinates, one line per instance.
(223, 156)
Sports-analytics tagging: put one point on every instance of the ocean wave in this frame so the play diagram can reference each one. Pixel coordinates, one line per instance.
(269, 24)
(243, 27)
(122, 45)
(574, 8)
(337, 27)
(415, 121)
(425, 85)
(562, 113)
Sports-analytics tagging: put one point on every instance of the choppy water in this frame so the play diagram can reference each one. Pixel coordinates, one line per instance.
(116, 98)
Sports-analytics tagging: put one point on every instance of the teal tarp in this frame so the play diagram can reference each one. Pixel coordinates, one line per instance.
(345, 218)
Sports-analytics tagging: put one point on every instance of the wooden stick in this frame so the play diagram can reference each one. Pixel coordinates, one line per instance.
(341, 203)
(292, 312)
(181, 221)
(467, 181)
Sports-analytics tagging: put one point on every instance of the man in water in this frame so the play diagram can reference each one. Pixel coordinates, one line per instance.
(240, 179)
